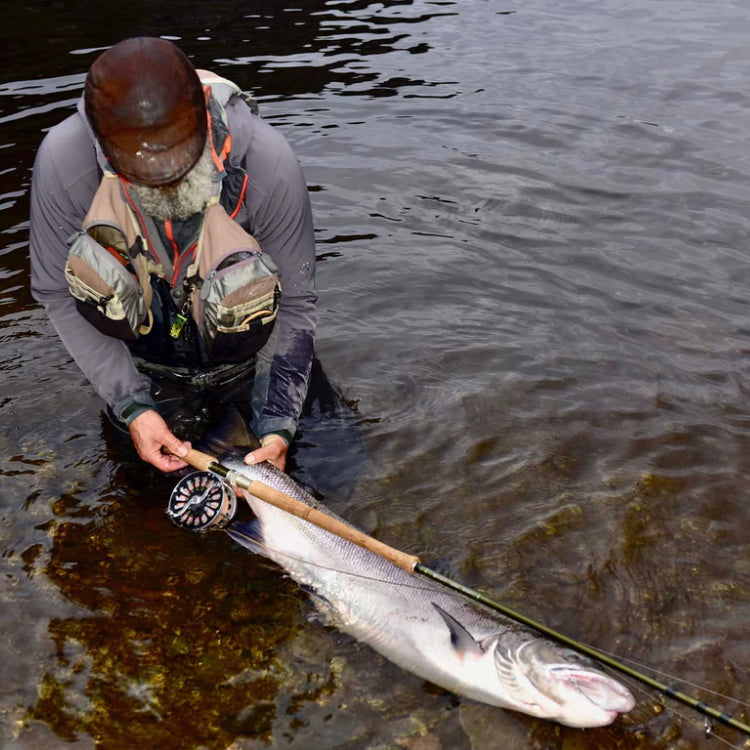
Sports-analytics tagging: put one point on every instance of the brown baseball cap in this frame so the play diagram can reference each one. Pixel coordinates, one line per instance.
(147, 107)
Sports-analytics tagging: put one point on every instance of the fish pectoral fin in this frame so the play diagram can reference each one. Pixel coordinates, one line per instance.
(249, 535)
(461, 639)
(323, 613)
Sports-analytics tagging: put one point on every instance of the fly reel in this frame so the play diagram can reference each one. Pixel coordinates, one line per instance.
(200, 501)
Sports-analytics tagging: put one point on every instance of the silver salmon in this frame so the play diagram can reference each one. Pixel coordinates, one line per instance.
(422, 627)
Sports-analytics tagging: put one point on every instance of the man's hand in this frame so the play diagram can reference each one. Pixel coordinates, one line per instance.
(151, 436)
(273, 448)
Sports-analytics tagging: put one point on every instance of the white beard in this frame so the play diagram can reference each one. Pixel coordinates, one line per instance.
(179, 202)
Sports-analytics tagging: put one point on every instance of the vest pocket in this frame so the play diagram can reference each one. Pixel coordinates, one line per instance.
(106, 287)
(237, 305)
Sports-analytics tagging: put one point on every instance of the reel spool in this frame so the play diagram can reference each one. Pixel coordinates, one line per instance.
(201, 500)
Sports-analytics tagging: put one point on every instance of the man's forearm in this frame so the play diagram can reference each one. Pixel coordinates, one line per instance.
(105, 361)
(282, 373)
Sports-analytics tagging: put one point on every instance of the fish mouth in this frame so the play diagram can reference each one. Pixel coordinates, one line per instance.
(558, 684)
(603, 697)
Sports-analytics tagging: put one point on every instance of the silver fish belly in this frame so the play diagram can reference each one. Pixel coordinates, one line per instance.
(422, 627)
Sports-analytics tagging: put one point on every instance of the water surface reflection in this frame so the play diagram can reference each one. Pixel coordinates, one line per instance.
(531, 228)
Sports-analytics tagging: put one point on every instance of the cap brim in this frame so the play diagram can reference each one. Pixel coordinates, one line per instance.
(156, 167)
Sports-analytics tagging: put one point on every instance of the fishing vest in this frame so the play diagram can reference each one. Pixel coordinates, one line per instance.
(190, 294)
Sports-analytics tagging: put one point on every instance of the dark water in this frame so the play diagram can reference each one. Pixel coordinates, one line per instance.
(532, 223)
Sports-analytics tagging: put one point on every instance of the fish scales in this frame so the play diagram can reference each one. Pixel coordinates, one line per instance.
(424, 628)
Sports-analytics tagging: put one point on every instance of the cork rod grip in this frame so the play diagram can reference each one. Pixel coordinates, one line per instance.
(204, 462)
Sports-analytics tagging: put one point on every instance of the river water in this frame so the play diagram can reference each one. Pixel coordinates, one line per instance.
(532, 221)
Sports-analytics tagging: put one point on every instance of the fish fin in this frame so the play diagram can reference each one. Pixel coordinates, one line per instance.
(231, 431)
(461, 639)
(249, 535)
(324, 612)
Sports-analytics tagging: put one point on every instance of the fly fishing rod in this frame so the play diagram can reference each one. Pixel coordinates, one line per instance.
(413, 565)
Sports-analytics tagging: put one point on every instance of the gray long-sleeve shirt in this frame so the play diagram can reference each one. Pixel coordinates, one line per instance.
(278, 214)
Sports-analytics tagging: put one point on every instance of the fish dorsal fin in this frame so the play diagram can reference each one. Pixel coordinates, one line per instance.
(461, 639)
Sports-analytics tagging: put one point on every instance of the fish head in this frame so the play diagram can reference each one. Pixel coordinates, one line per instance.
(556, 683)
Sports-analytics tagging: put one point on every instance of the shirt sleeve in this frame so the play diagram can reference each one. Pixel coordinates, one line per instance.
(63, 184)
(280, 217)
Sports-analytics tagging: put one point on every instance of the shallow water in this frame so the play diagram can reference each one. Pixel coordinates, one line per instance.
(531, 223)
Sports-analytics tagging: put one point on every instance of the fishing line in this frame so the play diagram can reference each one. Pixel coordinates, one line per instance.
(634, 683)
(656, 699)
(708, 728)
(662, 687)
(412, 564)
(329, 568)
(614, 662)
(675, 678)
